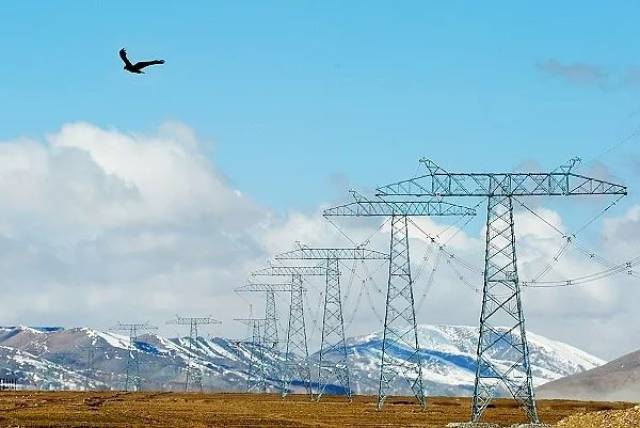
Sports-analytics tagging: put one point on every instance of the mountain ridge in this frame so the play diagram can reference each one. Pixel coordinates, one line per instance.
(61, 359)
(617, 380)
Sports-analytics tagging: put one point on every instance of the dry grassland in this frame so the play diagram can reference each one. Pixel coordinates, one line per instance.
(113, 409)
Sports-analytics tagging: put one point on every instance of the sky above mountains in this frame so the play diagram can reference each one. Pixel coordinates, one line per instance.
(123, 194)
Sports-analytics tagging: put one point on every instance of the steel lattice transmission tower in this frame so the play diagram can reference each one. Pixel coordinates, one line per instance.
(269, 338)
(270, 333)
(193, 376)
(333, 337)
(400, 327)
(257, 377)
(296, 331)
(91, 356)
(133, 378)
(501, 300)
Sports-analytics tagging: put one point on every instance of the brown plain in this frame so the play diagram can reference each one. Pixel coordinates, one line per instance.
(119, 409)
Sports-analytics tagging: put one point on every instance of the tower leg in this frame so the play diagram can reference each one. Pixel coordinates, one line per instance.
(400, 327)
(128, 371)
(256, 381)
(296, 341)
(333, 339)
(270, 338)
(187, 376)
(137, 379)
(502, 306)
(193, 376)
(132, 380)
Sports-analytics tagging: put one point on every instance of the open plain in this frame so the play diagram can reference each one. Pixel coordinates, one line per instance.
(118, 409)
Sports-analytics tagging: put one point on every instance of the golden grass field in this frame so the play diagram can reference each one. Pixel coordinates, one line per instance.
(119, 409)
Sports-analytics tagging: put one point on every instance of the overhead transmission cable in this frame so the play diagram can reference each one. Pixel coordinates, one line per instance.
(570, 239)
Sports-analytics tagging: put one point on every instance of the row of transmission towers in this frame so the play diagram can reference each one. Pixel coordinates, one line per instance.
(133, 378)
(400, 326)
(502, 306)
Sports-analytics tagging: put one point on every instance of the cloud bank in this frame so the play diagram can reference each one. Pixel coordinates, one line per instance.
(100, 225)
(578, 73)
(587, 74)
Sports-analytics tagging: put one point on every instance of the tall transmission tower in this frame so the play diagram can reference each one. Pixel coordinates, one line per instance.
(501, 299)
(91, 356)
(193, 376)
(258, 374)
(296, 332)
(133, 379)
(400, 327)
(270, 332)
(333, 337)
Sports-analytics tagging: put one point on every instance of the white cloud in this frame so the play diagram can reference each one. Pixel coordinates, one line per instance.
(578, 73)
(99, 225)
(591, 75)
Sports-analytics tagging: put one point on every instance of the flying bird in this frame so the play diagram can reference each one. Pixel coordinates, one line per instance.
(138, 66)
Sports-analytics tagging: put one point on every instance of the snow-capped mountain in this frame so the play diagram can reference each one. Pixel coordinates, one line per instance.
(449, 362)
(85, 358)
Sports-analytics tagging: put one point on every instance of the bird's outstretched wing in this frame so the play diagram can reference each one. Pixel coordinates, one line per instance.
(123, 55)
(142, 64)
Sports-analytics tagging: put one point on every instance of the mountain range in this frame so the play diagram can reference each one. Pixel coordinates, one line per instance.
(83, 358)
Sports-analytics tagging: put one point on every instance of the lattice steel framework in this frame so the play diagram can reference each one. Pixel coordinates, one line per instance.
(296, 331)
(333, 336)
(270, 336)
(296, 341)
(258, 374)
(400, 328)
(501, 301)
(193, 376)
(91, 357)
(133, 378)
(270, 330)
(296, 361)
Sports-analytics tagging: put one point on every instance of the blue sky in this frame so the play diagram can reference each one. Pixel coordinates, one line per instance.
(301, 99)
(294, 103)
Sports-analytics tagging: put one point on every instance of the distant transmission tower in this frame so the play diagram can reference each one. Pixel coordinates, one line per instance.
(193, 376)
(258, 374)
(400, 327)
(91, 349)
(501, 300)
(294, 365)
(333, 337)
(133, 379)
(270, 336)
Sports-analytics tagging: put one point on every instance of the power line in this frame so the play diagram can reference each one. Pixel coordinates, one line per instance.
(333, 332)
(400, 328)
(133, 378)
(193, 376)
(501, 289)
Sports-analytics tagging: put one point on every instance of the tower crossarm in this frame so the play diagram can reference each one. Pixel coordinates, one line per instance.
(306, 253)
(439, 182)
(178, 320)
(291, 270)
(264, 286)
(382, 208)
(249, 321)
(133, 327)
